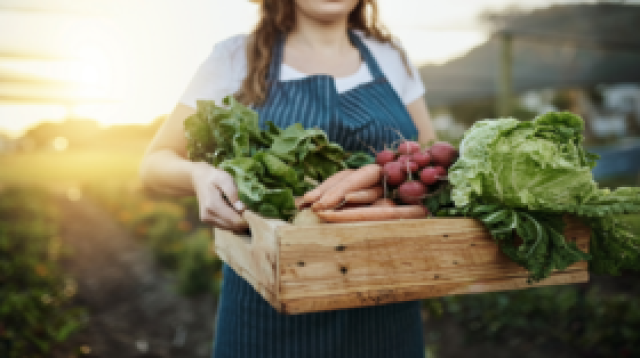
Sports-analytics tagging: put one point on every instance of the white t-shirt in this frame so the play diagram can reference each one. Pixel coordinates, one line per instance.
(222, 73)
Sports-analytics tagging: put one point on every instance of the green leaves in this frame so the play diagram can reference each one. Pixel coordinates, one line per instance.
(269, 166)
(614, 247)
(533, 240)
(359, 159)
(536, 172)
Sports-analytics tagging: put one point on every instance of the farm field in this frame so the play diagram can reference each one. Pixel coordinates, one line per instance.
(69, 167)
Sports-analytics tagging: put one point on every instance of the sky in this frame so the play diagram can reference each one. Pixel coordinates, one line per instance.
(128, 61)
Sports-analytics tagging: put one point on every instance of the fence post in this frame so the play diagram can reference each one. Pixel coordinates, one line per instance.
(505, 76)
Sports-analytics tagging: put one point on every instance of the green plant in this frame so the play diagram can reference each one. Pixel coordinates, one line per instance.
(35, 308)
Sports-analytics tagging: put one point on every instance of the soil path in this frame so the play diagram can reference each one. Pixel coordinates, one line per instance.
(132, 305)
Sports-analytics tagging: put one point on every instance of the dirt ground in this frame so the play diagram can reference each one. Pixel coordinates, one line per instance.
(132, 305)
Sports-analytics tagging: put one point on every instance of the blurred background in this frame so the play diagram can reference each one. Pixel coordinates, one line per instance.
(93, 266)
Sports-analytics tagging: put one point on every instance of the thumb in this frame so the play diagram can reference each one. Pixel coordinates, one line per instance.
(230, 191)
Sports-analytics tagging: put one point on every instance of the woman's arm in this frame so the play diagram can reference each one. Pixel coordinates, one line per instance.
(166, 169)
(420, 115)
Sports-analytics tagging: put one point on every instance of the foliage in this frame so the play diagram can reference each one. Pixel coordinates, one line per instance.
(269, 166)
(523, 177)
(35, 309)
(587, 322)
(172, 229)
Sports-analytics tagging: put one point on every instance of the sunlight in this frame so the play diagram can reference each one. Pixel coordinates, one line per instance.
(60, 144)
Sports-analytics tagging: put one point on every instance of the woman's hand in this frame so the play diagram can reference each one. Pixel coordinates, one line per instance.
(211, 186)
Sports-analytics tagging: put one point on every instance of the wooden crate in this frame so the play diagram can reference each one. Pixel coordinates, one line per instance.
(323, 267)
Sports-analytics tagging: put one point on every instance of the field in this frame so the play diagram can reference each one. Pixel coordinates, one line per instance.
(69, 167)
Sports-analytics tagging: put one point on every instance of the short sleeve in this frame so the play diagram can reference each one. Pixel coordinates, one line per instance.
(409, 87)
(413, 87)
(221, 74)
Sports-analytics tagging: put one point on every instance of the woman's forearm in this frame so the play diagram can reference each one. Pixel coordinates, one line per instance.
(166, 172)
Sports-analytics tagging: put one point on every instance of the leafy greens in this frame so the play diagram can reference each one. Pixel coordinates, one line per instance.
(523, 176)
(269, 166)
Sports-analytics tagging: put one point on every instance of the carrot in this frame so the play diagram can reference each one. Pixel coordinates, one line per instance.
(314, 195)
(383, 202)
(365, 177)
(299, 202)
(373, 213)
(365, 196)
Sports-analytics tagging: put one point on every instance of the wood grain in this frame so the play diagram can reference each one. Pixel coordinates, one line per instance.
(321, 267)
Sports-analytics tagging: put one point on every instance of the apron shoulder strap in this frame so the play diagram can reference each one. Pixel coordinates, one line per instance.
(371, 62)
(273, 75)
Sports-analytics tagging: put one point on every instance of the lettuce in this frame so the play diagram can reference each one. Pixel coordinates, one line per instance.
(270, 166)
(532, 173)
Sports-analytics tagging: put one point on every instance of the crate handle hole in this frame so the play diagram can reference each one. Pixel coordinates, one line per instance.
(344, 270)
(341, 248)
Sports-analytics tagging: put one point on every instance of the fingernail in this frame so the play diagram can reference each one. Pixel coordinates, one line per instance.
(239, 205)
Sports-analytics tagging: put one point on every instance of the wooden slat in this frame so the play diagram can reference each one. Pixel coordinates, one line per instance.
(310, 288)
(253, 258)
(401, 262)
(415, 292)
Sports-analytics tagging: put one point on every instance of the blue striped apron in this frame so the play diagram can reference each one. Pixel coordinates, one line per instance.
(370, 114)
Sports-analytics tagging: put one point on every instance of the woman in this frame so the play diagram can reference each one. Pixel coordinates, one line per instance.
(326, 64)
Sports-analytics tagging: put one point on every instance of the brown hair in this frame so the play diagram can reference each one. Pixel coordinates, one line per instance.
(278, 16)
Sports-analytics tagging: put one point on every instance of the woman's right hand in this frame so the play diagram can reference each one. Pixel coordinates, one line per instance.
(210, 184)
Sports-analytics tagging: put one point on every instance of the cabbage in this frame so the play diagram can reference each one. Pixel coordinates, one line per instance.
(524, 176)
(537, 165)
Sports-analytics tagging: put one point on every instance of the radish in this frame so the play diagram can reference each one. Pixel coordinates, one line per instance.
(421, 158)
(412, 192)
(408, 147)
(408, 163)
(443, 154)
(385, 157)
(395, 173)
(442, 172)
(430, 175)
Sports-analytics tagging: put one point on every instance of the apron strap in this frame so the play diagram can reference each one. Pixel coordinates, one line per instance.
(371, 62)
(276, 59)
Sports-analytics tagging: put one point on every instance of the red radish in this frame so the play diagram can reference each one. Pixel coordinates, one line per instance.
(430, 175)
(408, 147)
(404, 158)
(412, 192)
(412, 166)
(395, 173)
(385, 157)
(442, 172)
(443, 154)
(421, 158)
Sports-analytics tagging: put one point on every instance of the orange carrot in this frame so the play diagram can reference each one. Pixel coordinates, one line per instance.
(299, 202)
(383, 202)
(314, 195)
(365, 177)
(365, 196)
(373, 213)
